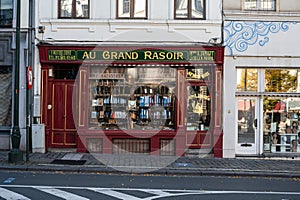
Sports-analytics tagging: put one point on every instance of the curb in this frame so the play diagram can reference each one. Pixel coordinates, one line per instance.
(165, 171)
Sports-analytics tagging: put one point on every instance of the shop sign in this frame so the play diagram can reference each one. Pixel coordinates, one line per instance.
(134, 55)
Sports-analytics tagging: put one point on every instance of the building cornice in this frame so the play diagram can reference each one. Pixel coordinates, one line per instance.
(261, 16)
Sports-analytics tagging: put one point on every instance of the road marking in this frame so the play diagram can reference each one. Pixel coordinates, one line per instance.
(7, 194)
(60, 193)
(120, 193)
(115, 194)
(9, 180)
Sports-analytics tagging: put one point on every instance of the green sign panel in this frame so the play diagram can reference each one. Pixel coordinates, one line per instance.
(134, 55)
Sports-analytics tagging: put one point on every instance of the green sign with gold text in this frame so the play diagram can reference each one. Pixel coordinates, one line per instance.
(133, 55)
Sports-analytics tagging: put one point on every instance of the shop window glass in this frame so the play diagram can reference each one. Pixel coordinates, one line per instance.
(278, 80)
(73, 8)
(259, 4)
(140, 98)
(247, 79)
(189, 9)
(203, 74)
(61, 72)
(198, 108)
(281, 124)
(6, 13)
(132, 9)
(5, 95)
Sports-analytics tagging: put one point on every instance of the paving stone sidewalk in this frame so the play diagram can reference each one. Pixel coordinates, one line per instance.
(167, 165)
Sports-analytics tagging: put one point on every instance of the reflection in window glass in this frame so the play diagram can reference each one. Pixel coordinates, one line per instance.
(66, 8)
(277, 80)
(246, 121)
(197, 73)
(281, 124)
(6, 12)
(132, 8)
(6, 95)
(181, 8)
(139, 8)
(74, 8)
(247, 79)
(124, 8)
(189, 9)
(198, 108)
(197, 9)
(82, 8)
(260, 4)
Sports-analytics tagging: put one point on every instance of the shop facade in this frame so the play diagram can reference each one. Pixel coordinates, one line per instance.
(159, 100)
(262, 52)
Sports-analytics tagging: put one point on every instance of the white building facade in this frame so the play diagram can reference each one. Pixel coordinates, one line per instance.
(261, 78)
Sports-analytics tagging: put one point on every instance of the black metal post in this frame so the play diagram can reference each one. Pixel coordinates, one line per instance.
(15, 155)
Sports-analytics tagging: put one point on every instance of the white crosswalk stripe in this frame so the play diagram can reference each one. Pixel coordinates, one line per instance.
(115, 194)
(65, 192)
(60, 193)
(7, 194)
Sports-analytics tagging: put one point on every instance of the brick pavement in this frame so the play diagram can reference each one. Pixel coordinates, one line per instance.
(100, 163)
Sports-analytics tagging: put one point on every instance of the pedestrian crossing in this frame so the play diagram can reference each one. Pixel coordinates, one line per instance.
(24, 192)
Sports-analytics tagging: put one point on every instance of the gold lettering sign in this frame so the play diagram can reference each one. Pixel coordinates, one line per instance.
(133, 55)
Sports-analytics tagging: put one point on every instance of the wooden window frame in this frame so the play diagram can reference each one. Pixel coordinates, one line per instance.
(131, 11)
(73, 11)
(189, 17)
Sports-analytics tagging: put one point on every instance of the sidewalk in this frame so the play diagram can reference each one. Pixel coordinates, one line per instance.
(162, 165)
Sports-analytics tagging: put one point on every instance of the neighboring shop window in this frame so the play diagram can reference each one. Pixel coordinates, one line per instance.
(247, 79)
(141, 98)
(132, 9)
(199, 99)
(189, 9)
(278, 80)
(260, 5)
(281, 105)
(5, 95)
(6, 13)
(282, 111)
(73, 9)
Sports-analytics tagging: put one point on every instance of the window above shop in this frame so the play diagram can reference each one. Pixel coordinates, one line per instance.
(189, 9)
(132, 9)
(266, 5)
(6, 13)
(73, 9)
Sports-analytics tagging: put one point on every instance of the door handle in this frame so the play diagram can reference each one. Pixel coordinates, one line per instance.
(255, 123)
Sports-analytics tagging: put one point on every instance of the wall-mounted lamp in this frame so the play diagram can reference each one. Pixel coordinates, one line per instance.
(269, 58)
(41, 29)
(215, 41)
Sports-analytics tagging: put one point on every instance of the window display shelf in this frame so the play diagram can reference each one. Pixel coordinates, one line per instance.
(141, 105)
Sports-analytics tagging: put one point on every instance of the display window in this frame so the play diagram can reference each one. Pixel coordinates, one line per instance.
(140, 98)
(276, 92)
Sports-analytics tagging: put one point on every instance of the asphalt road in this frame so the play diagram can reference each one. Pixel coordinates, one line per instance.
(26, 185)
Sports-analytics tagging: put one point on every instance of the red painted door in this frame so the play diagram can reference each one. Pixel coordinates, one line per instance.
(63, 130)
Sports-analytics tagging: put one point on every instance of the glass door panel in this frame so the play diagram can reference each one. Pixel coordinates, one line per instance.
(247, 126)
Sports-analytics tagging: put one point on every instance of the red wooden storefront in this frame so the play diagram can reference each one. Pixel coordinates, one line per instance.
(175, 92)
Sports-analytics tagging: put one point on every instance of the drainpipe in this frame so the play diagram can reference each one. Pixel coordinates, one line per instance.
(15, 155)
(29, 96)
